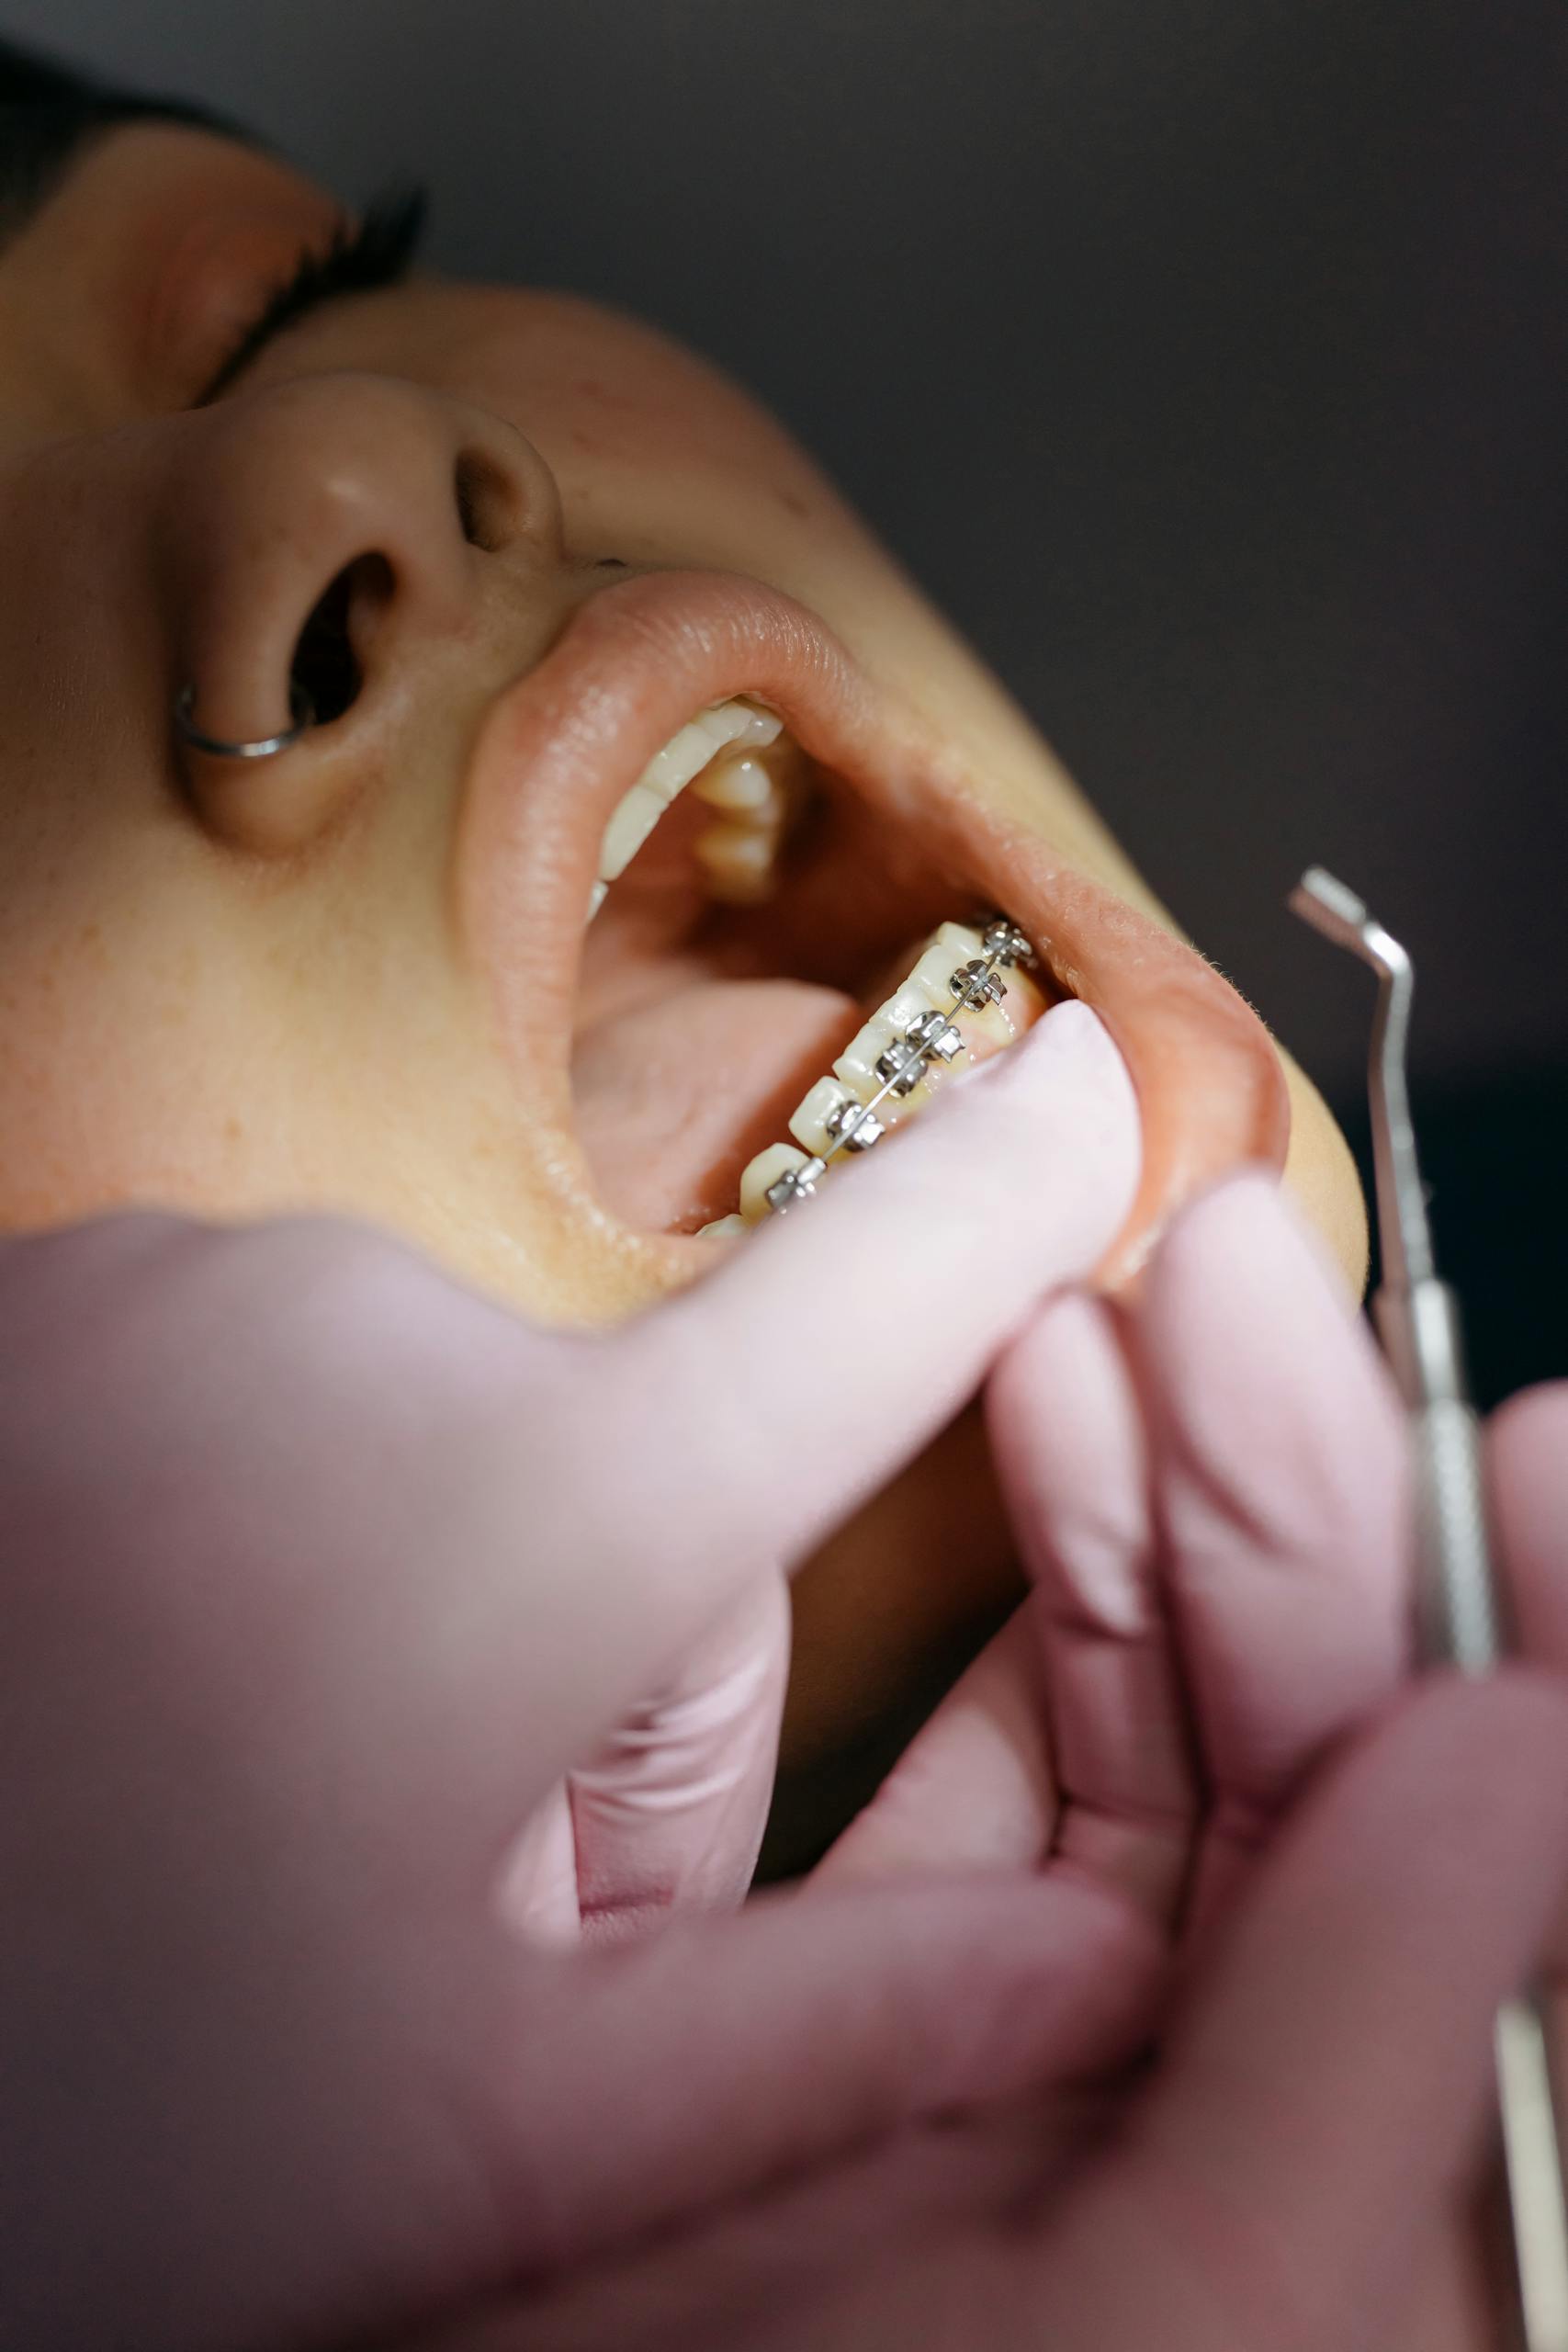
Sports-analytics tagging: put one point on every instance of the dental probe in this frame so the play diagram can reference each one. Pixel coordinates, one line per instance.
(1458, 1616)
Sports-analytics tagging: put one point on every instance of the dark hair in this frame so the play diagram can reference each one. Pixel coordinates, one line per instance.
(48, 110)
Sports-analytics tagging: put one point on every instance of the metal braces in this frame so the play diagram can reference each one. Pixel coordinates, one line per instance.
(854, 1126)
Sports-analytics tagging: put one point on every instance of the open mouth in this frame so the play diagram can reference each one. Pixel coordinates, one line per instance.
(741, 917)
(717, 984)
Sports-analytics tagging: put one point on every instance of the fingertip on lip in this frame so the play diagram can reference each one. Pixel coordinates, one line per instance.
(1070, 1037)
(1070, 1048)
(1244, 1231)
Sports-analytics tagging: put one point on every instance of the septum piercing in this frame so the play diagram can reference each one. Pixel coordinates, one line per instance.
(301, 711)
(855, 1126)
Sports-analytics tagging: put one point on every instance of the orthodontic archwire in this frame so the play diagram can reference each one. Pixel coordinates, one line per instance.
(931, 1035)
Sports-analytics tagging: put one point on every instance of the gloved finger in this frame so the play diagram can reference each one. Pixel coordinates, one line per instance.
(1527, 1464)
(758, 2275)
(671, 1808)
(537, 1889)
(1279, 1463)
(1527, 1447)
(437, 1506)
(752, 1413)
(975, 1787)
(1071, 1452)
(1321, 2106)
(1315, 2115)
(795, 2030)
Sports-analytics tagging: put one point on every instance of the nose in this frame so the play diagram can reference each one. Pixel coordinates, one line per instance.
(322, 543)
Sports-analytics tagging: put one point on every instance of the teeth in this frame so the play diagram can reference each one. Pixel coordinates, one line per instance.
(689, 750)
(817, 1122)
(634, 820)
(737, 862)
(925, 990)
(765, 1169)
(873, 1056)
(723, 1228)
(756, 797)
(739, 781)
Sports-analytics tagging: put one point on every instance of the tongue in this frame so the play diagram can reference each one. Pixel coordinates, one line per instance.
(675, 1098)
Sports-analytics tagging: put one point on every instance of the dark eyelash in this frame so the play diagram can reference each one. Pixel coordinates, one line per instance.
(376, 250)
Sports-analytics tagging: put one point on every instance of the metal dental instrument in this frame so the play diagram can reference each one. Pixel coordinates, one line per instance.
(1458, 1616)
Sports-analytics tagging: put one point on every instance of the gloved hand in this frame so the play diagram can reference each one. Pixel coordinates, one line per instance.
(1210, 1493)
(325, 1585)
(1209, 1489)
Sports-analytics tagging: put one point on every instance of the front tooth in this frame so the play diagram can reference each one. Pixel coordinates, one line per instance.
(765, 1169)
(687, 750)
(744, 722)
(628, 828)
(724, 725)
(686, 754)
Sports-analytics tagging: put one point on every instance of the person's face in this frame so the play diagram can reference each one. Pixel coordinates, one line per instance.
(354, 976)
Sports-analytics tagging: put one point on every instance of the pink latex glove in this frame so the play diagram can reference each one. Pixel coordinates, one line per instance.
(325, 1586)
(1211, 1495)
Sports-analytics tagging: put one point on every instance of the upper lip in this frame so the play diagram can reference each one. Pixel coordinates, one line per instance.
(561, 746)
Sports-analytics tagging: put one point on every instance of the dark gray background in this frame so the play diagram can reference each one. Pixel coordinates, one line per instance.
(1205, 358)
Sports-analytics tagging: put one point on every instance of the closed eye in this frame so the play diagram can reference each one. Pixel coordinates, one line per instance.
(375, 251)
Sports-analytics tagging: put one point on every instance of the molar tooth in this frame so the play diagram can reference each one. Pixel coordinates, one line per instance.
(736, 860)
(690, 750)
(740, 782)
(765, 1169)
(691, 746)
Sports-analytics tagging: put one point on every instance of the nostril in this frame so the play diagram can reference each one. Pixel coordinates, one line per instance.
(326, 663)
(484, 501)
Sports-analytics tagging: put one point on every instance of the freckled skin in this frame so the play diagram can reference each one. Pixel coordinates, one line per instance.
(238, 993)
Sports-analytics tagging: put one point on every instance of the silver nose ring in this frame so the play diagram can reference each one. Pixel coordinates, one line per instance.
(301, 711)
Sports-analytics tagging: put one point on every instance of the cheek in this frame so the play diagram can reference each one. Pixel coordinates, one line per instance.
(114, 1029)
